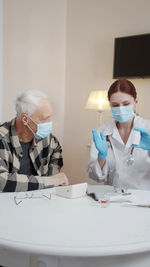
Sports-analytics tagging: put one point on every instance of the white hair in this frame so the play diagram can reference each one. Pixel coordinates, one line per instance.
(28, 101)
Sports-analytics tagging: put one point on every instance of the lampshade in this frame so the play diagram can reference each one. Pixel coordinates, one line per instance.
(97, 100)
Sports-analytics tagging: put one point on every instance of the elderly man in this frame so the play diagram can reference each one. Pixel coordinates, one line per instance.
(30, 156)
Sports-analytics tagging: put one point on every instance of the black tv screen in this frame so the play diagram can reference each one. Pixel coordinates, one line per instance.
(132, 56)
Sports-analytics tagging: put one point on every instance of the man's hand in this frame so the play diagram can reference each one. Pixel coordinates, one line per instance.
(60, 179)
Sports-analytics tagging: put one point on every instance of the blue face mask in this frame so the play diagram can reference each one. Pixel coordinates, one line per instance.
(43, 129)
(122, 113)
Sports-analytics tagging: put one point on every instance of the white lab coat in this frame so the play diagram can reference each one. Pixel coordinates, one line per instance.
(116, 171)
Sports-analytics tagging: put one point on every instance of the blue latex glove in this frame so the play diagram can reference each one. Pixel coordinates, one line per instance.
(145, 139)
(100, 143)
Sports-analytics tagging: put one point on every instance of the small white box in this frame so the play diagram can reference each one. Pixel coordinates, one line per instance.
(71, 191)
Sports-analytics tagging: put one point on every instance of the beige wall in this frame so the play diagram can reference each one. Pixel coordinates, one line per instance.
(34, 53)
(65, 47)
(1, 55)
(92, 26)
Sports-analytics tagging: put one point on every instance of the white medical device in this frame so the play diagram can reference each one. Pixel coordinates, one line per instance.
(71, 191)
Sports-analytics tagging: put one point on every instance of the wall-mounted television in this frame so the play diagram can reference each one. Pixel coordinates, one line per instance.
(132, 56)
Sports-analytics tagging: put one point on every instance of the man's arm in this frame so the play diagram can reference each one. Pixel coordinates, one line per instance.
(56, 160)
(12, 181)
(56, 163)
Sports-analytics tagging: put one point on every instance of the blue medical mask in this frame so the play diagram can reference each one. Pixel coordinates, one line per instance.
(122, 113)
(43, 129)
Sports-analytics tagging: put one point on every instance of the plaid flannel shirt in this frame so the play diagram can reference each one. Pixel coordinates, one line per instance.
(45, 154)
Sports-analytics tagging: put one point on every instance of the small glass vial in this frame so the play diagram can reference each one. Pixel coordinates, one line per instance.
(104, 203)
(136, 136)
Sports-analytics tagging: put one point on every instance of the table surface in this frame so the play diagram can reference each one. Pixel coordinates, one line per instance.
(73, 227)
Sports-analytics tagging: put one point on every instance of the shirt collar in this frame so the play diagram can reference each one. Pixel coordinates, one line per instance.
(112, 130)
(15, 140)
(109, 128)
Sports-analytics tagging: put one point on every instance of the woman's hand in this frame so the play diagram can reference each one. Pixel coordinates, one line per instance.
(100, 143)
(145, 139)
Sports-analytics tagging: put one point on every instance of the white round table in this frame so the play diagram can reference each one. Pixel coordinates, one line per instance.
(76, 232)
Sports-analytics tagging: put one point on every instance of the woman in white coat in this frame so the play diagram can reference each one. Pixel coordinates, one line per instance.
(113, 157)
